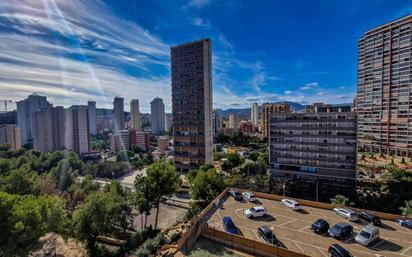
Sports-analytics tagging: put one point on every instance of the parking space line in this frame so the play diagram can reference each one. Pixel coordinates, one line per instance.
(304, 228)
(287, 222)
(407, 249)
(298, 246)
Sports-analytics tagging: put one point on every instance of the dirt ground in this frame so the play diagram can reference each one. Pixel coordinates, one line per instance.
(168, 216)
(55, 246)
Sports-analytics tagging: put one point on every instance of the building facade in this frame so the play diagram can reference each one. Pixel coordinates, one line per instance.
(49, 129)
(168, 122)
(157, 115)
(92, 117)
(384, 99)
(254, 114)
(8, 117)
(118, 113)
(217, 122)
(25, 110)
(191, 65)
(125, 139)
(234, 121)
(77, 134)
(318, 145)
(10, 135)
(136, 121)
(268, 109)
(163, 143)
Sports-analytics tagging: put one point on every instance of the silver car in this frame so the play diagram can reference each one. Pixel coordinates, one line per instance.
(367, 235)
(347, 214)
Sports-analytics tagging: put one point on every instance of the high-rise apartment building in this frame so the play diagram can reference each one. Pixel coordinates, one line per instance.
(254, 114)
(92, 117)
(217, 122)
(77, 134)
(318, 145)
(168, 122)
(192, 104)
(125, 139)
(136, 121)
(234, 121)
(8, 117)
(10, 135)
(118, 113)
(157, 115)
(384, 98)
(25, 110)
(268, 109)
(49, 129)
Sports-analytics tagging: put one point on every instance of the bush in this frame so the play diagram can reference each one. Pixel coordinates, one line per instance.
(150, 247)
(137, 240)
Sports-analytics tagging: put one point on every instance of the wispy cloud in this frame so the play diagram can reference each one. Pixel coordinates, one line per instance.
(197, 3)
(70, 52)
(308, 86)
(200, 22)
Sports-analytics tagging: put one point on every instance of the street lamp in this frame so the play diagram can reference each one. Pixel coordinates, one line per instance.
(284, 186)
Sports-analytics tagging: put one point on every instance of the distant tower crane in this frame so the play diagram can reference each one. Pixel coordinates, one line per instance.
(5, 103)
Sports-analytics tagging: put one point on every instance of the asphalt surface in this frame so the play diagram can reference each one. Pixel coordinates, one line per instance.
(292, 228)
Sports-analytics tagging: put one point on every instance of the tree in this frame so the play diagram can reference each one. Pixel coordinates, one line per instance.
(234, 159)
(254, 156)
(407, 209)
(206, 185)
(101, 214)
(18, 182)
(161, 180)
(341, 200)
(141, 199)
(24, 219)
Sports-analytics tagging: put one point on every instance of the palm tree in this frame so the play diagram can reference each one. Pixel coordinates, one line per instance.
(341, 200)
(407, 210)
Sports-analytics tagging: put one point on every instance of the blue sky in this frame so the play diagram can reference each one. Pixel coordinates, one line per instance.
(72, 51)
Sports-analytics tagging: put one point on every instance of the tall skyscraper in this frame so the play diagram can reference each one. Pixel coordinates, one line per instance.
(136, 121)
(383, 101)
(77, 134)
(268, 109)
(254, 114)
(25, 110)
(234, 121)
(317, 146)
(118, 113)
(217, 122)
(168, 122)
(92, 117)
(192, 104)
(49, 129)
(10, 135)
(157, 115)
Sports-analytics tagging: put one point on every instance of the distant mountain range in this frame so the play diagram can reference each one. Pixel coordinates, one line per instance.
(296, 107)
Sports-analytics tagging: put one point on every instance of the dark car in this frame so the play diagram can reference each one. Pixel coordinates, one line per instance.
(370, 218)
(267, 235)
(229, 225)
(336, 250)
(405, 223)
(236, 194)
(340, 230)
(320, 226)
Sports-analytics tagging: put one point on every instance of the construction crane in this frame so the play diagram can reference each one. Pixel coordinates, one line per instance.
(5, 103)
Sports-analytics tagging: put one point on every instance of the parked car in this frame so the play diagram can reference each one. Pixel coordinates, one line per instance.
(340, 230)
(405, 223)
(255, 212)
(229, 226)
(336, 250)
(320, 226)
(292, 204)
(267, 235)
(367, 235)
(249, 196)
(370, 218)
(236, 194)
(347, 214)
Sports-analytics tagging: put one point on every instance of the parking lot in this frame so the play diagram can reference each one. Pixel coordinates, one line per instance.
(292, 228)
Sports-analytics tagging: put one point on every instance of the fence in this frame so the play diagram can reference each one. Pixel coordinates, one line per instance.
(246, 244)
(189, 237)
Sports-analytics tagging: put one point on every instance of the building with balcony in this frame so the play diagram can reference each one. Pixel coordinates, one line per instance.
(192, 104)
(268, 109)
(384, 96)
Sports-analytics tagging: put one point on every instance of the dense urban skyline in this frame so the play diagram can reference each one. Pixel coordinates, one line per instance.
(67, 58)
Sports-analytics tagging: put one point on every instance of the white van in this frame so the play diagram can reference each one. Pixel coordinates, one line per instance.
(367, 235)
(292, 204)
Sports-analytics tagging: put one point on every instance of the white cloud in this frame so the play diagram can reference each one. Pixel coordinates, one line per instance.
(288, 92)
(200, 22)
(308, 86)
